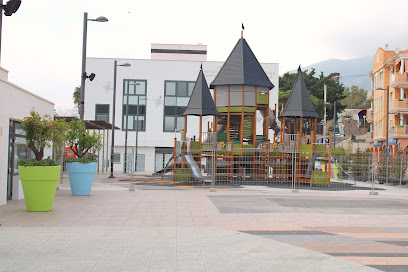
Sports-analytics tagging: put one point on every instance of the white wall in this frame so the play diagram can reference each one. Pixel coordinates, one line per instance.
(15, 103)
(100, 91)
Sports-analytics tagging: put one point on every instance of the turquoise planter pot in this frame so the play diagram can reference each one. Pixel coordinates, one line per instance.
(81, 176)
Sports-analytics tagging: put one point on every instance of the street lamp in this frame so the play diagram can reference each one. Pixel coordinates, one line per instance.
(115, 66)
(334, 117)
(83, 73)
(386, 137)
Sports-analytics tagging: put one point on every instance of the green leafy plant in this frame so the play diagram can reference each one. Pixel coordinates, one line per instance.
(40, 131)
(34, 162)
(79, 138)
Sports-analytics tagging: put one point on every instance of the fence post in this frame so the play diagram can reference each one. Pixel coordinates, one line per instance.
(373, 192)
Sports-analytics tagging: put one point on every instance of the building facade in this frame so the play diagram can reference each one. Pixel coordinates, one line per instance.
(16, 103)
(390, 70)
(157, 92)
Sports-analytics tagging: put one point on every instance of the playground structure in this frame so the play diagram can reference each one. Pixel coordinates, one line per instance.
(245, 142)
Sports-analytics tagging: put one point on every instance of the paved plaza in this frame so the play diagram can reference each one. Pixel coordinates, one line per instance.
(165, 228)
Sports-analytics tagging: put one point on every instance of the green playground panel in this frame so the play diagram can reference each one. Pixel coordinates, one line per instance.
(262, 99)
(196, 146)
(236, 109)
(182, 174)
(319, 177)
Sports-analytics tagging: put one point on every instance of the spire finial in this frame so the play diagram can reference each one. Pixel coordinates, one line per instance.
(242, 31)
(299, 70)
(201, 66)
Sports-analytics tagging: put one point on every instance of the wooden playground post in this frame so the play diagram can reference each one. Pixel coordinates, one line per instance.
(329, 158)
(201, 129)
(185, 128)
(228, 116)
(268, 146)
(242, 121)
(232, 162)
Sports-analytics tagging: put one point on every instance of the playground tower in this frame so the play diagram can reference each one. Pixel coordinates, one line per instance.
(241, 88)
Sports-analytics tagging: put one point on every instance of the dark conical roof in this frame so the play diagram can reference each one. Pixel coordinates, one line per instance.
(299, 103)
(242, 68)
(201, 101)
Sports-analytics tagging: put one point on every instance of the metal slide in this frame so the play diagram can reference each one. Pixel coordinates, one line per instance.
(195, 170)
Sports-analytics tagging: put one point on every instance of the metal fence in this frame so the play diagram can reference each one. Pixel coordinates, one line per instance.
(292, 164)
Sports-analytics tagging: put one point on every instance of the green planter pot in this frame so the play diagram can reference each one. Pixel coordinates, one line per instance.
(39, 186)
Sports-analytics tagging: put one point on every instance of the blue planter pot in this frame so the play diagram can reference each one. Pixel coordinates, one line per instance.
(81, 176)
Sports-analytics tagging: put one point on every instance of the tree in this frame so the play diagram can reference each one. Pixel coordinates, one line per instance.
(40, 131)
(315, 86)
(77, 97)
(355, 98)
(79, 138)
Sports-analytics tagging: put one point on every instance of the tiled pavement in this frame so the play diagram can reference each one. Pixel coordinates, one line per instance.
(249, 229)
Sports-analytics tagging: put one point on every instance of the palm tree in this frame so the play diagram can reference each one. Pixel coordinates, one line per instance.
(77, 97)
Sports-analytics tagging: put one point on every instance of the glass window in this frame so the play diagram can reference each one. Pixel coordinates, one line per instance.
(168, 123)
(141, 88)
(170, 101)
(182, 101)
(137, 96)
(133, 99)
(181, 88)
(140, 163)
(170, 88)
(190, 88)
(102, 112)
(180, 123)
(131, 88)
(177, 96)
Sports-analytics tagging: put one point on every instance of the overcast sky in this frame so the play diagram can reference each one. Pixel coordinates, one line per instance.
(42, 42)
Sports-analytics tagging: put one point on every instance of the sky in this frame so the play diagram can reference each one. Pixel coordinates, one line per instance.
(42, 42)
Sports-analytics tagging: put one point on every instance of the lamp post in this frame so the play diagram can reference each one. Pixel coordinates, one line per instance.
(115, 66)
(83, 72)
(334, 117)
(386, 135)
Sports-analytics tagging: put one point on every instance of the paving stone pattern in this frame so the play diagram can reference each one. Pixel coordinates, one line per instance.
(197, 230)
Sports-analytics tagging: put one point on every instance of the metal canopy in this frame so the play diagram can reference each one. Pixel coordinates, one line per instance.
(201, 102)
(242, 68)
(299, 103)
(89, 124)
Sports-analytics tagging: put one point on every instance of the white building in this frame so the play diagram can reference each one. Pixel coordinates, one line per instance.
(162, 86)
(16, 103)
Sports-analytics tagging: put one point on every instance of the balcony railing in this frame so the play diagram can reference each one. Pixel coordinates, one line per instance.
(399, 130)
(399, 105)
(370, 94)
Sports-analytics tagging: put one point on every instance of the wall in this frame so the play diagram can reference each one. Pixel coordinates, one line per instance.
(16, 103)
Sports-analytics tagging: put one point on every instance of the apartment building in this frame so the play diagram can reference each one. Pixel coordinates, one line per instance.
(389, 84)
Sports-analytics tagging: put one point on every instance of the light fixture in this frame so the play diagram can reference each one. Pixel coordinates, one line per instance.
(101, 19)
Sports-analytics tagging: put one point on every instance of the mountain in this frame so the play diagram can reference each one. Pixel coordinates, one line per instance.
(352, 71)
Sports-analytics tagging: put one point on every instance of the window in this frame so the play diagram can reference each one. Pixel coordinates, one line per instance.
(102, 112)
(140, 164)
(176, 97)
(116, 158)
(134, 103)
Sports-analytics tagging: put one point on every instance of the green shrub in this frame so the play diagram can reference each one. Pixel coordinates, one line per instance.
(87, 159)
(34, 162)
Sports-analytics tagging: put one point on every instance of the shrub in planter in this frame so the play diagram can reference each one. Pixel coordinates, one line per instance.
(81, 170)
(39, 178)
